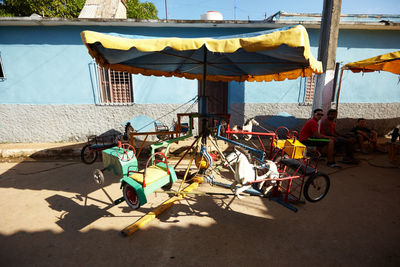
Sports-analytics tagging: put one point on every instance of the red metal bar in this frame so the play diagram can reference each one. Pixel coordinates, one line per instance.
(278, 179)
(252, 133)
(262, 145)
(258, 134)
(287, 191)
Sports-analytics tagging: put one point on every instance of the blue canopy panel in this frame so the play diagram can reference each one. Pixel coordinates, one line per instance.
(259, 56)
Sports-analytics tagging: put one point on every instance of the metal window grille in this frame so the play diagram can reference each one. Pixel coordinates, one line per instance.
(115, 86)
(309, 89)
(2, 76)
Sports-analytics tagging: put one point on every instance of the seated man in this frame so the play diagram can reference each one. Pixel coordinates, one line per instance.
(363, 134)
(310, 136)
(328, 127)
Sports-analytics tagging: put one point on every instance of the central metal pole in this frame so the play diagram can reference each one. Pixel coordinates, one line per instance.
(203, 102)
(203, 98)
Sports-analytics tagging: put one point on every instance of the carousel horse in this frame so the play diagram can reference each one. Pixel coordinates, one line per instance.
(247, 127)
(245, 172)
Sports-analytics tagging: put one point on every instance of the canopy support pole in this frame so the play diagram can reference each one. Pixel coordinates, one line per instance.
(203, 102)
(338, 92)
(203, 99)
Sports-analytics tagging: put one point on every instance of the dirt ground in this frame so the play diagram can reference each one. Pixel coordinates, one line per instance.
(53, 214)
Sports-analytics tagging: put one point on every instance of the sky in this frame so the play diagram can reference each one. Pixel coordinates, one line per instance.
(260, 9)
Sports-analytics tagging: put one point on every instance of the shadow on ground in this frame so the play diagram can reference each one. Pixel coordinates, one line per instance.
(53, 214)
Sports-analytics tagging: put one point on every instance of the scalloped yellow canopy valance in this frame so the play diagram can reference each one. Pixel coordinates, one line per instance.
(260, 56)
(388, 62)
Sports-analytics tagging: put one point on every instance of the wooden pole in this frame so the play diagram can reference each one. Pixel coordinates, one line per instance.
(338, 92)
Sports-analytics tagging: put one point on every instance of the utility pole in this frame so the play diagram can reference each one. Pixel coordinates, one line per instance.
(166, 11)
(327, 54)
(235, 10)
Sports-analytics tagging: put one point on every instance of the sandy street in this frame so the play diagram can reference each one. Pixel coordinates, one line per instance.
(53, 214)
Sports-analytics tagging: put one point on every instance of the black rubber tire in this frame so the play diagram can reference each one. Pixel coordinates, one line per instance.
(129, 129)
(279, 157)
(98, 176)
(318, 182)
(167, 186)
(131, 197)
(163, 137)
(88, 156)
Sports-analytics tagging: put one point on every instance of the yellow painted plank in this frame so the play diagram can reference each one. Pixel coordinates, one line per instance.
(129, 230)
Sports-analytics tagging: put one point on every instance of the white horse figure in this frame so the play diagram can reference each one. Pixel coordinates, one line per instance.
(247, 127)
(245, 172)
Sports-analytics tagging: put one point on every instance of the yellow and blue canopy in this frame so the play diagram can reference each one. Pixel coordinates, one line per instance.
(262, 56)
(388, 62)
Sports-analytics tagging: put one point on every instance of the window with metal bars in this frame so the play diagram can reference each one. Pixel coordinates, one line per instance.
(115, 86)
(309, 88)
(2, 76)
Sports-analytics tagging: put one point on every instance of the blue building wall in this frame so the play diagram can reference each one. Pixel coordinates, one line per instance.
(374, 87)
(44, 65)
(50, 65)
(353, 45)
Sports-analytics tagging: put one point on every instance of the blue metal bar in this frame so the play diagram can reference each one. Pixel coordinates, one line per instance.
(259, 152)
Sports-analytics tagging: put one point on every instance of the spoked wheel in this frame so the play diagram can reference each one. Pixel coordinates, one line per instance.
(316, 187)
(98, 176)
(128, 152)
(88, 155)
(131, 197)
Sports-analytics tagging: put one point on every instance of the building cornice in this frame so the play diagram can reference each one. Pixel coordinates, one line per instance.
(39, 21)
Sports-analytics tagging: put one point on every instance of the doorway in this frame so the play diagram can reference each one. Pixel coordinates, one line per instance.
(216, 97)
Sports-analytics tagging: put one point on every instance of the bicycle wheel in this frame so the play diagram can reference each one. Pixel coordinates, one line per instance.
(88, 155)
(131, 196)
(316, 187)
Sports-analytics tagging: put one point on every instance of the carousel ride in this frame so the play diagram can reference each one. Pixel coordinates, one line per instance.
(269, 169)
